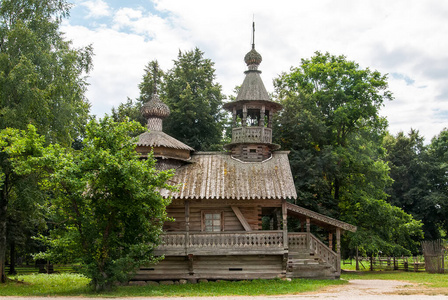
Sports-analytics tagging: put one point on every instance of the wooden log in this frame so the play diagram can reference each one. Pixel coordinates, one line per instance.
(241, 218)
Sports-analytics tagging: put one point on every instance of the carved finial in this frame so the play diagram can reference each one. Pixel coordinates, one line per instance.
(253, 58)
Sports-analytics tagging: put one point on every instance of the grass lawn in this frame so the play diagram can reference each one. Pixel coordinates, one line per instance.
(77, 285)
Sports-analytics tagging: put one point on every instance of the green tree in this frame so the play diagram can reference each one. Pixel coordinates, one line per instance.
(332, 126)
(132, 109)
(435, 203)
(152, 73)
(41, 76)
(17, 189)
(42, 82)
(412, 169)
(195, 101)
(129, 110)
(107, 202)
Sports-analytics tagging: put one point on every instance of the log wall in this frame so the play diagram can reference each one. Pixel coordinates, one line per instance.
(213, 267)
(250, 210)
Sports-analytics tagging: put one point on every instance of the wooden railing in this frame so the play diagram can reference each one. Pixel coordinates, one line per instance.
(256, 242)
(324, 252)
(298, 241)
(303, 242)
(221, 242)
(254, 134)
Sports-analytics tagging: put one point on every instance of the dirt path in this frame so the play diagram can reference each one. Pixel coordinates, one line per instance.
(355, 290)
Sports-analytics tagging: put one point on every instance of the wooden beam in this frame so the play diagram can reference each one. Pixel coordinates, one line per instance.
(338, 249)
(240, 217)
(187, 225)
(330, 240)
(308, 233)
(285, 223)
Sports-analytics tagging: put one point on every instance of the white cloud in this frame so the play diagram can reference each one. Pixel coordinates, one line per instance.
(406, 37)
(97, 8)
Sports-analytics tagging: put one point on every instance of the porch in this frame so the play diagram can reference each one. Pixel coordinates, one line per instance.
(251, 254)
(242, 255)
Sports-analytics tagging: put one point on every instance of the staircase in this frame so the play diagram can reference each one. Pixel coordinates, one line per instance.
(310, 259)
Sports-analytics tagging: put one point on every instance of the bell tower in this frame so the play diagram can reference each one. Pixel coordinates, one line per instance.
(252, 112)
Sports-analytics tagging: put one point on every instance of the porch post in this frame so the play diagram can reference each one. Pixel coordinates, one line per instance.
(234, 118)
(262, 112)
(308, 233)
(338, 249)
(330, 240)
(187, 225)
(285, 224)
(244, 115)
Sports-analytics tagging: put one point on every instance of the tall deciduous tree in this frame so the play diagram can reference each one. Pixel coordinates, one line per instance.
(107, 202)
(436, 202)
(331, 124)
(195, 101)
(41, 75)
(41, 82)
(16, 188)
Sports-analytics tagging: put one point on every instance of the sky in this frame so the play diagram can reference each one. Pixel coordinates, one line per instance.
(406, 39)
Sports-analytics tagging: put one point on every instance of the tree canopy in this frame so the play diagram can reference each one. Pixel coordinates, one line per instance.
(107, 203)
(41, 74)
(331, 124)
(19, 195)
(42, 82)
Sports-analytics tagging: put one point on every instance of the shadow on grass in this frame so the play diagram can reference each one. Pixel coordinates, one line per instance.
(77, 285)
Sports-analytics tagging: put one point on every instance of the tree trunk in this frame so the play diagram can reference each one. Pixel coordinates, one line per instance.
(12, 259)
(3, 217)
(336, 190)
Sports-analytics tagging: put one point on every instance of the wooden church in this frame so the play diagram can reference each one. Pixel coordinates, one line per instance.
(231, 210)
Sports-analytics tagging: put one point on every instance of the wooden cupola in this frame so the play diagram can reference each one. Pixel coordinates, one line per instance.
(169, 152)
(252, 111)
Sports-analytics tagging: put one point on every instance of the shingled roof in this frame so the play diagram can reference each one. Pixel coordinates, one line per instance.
(160, 139)
(216, 175)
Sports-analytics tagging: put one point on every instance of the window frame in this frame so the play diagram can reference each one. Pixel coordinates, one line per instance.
(221, 215)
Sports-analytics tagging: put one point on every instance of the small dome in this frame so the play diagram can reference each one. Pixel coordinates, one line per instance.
(155, 108)
(252, 57)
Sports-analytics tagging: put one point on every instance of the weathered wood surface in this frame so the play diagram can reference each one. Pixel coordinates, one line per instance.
(252, 134)
(214, 267)
(301, 242)
(223, 243)
(231, 222)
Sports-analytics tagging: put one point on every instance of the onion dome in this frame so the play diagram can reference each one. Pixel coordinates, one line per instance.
(154, 112)
(155, 108)
(253, 58)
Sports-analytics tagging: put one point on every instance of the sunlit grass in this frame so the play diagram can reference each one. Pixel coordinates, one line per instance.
(45, 285)
(77, 285)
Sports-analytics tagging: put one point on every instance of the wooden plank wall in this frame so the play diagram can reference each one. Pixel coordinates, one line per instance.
(171, 267)
(252, 214)
(238, 267)
(214, 267)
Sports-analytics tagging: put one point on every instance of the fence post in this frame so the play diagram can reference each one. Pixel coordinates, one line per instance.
(357, 259)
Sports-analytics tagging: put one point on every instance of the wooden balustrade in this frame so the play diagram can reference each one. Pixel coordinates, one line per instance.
(243, 243)
(254, 134)
(266, 242)
(323, 252)
(298, 241)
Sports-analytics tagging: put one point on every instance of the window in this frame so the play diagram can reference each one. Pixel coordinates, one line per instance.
(212, 221)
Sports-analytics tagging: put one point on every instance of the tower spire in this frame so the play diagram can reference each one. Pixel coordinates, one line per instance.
(253, 34)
